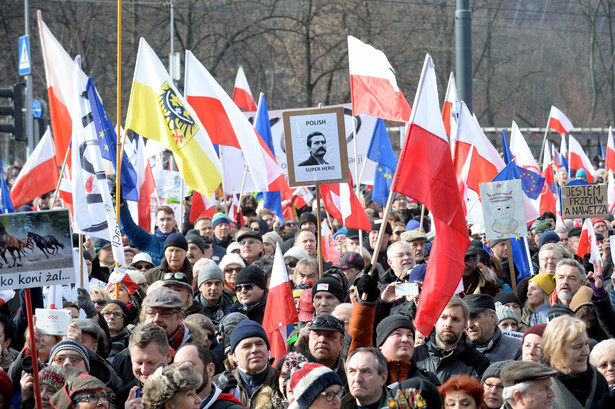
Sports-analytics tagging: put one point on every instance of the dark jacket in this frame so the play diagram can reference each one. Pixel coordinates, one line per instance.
(157, 273)
(411, 393)
(590, 385)
(255, 312)
(100, 272)
(152, 244)
(605, 314)
(500, 347)
(463, 358)
(215, 312)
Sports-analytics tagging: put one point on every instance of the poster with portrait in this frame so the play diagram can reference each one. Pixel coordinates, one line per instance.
(503, 210)
(316, 146)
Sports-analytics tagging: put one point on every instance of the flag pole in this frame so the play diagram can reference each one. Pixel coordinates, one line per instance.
(55, 192)
(356, 157)
(544, 139)
(81, 260)
(33, 350)
(319, 231)
(223, 190)
(385, 216)
(118, 150)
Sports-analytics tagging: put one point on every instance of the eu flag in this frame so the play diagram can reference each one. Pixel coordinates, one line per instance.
(108, 146)
(380, 151)
(532, 182)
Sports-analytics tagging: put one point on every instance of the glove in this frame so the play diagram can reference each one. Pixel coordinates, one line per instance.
(598, 292)
(226, 382)
(85, 303)
(367, 287)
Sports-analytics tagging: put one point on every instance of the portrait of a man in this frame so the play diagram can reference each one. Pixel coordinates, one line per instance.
(317, 145)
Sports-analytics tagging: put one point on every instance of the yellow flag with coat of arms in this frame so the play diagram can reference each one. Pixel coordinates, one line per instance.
(158, 111)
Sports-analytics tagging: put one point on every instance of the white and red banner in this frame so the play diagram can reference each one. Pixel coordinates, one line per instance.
(578, 159)
(589, 245)
(242, 95)
(559, 122)
(342, 204)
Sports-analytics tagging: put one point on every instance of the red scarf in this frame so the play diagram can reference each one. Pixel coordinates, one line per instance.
(175, 340)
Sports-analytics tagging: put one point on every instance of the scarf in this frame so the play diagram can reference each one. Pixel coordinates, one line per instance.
(175, 340)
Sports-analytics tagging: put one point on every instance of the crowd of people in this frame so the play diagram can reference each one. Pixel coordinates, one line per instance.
(189, 333)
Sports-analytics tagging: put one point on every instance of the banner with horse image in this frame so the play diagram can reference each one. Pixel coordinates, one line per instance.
(36, 249)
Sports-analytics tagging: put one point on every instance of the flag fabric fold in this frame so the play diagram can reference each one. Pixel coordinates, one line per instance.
(158, 111)
(429, 176)
(145, 184)
(202, 206)
(380, 151)
(120, 276)
(39, 174)
(546, 199)
(242, 96)
(578, 159)
(609, 161)
(343, 205)
(588, 244)
(373, 86)
(559, 122)
(450, 108)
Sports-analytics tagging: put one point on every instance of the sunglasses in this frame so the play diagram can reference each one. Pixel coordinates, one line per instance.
(290, 224)
(291, 264)
(328, 321)
(206, 246)
(398, 232)
(250, 242)
(247, 287)
(141, 266)
(177, 276)
(232, 270)
(101, 302)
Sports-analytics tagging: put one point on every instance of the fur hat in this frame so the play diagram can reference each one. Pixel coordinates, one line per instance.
(166, 381)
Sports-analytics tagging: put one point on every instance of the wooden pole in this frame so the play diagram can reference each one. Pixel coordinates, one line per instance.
(385, 216)
(33, 350)
(422, 215)
(81, 261)
(55, 192)
(318, 231)
(511, 267)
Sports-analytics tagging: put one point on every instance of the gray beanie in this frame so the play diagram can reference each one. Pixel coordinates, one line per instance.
(493, 370)
(227, 325)
(390, 324)
(210, 271)
(503, 313)
(70, 344)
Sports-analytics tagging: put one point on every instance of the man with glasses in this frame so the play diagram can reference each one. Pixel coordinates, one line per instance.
(251, 291)
(175, 260)
(400, 259)
(216, 303)
(250, 246)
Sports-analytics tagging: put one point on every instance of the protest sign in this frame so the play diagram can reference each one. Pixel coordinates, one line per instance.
(36, 249)
(53, 322)
(582, 201)
(503, 211)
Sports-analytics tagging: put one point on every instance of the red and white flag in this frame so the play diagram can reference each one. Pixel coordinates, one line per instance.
(589, 245)
(342, 204)
(547, 194)
(280, 310)
(120, 276)
(39, 174)
(242, 96)
(6, 296)
(611, 191)
(609, 162)
(577, 159)
(146, 185)
(330, 254)
(425, 172)
(373, 86)
(201, 206)
(228, 127)
(559, 122)
(450, 108)
(521, 151)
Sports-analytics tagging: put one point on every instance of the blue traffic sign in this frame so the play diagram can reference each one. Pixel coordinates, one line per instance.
(24, 55)
(36, 108)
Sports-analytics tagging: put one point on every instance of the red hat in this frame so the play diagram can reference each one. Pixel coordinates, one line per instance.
(306, 306)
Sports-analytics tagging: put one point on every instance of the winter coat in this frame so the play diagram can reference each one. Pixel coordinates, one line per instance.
(500, 347)
(152, 244)
(215, 312)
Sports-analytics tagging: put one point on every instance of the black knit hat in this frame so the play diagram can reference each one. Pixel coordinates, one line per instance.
(331, 285)
(196, 238)
(494, 370)
(176, 240)
(390, 324)
(252, 275)
(125, 311)
(306, 218)
(505, 297)
(247, 329)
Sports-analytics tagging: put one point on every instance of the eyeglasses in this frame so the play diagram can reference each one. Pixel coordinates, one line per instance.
(327, 321)
(232, 270)
(177, 276)
(400, 255)
(398, 232)
(250, 242)
(115, 314)
(94, 398)
(291, 224)
(163, 314)
(498, 388)
(141, 266)
(247, 287)
(73, 358)
(330, 396)
(102, 302)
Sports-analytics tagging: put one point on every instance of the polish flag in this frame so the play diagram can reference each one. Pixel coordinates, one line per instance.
(329, 248)
(39, 174)
(280, 310)
(579, 160)
(6, 296)
(120, 276)
(242, 96)
(547, 195)
(145, 184)
(202, 206)
(373, 86)
(559, 122)
(609, 162)
(228, 127)
(450, 108)
(426, 173)
(521, 151)
(611, 191)
(341, 202)
(296, 198)
(234, 212)
(589, 245)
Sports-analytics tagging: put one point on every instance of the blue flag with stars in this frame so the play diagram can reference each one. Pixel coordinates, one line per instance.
(380, 151)
(6, 204)
(531, 182)
(272, 200)
(108, 146)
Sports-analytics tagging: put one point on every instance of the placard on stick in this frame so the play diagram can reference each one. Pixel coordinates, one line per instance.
(582, 201)
(36, 249)
(316, 146)
(503, 210)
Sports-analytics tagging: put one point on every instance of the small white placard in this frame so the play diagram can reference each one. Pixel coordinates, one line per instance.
(53, 322)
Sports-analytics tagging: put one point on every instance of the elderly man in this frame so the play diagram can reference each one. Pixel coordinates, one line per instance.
(386, 238)
(251, 290)
(527, 385)
(250, 246)
(327, 293)
(417, 243)
(305, 270)
(149, 350)
(250, 351)
(326, 343)
(549, 255)
(152, 244)
(400, 257)
(216, 303)
(448, 351)
(569, 277)
(485, 333)
(196, 247)
(174, 261)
